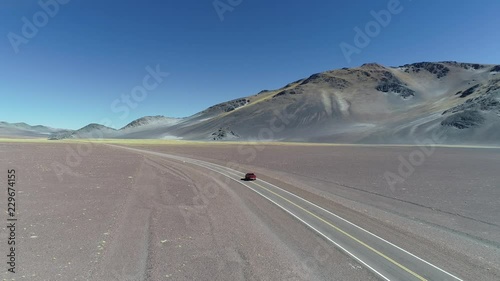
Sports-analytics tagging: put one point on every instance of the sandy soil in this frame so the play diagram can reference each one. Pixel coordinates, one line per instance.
(447, 207)
(116, 215)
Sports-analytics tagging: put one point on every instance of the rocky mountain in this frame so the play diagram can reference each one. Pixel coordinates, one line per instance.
(446, 102)
(91, 131)
(369, 104)
(151, 120)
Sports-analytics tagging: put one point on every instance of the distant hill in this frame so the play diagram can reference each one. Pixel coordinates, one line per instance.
(91, 131)
(151, 120)
(25, 130)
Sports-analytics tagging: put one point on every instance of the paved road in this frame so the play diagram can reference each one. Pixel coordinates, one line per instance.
(388, 261)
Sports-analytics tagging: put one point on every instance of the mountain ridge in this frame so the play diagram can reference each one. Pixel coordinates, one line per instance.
(366, 104)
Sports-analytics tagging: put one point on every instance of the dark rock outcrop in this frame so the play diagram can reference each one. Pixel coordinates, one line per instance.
(333, 82)
(463, 120)
(464, 65)
(295, 91)
(223, 133)
(468, 92)
(489, 101)
(230, 105)
(496, 68)
(435, 68)
(389, 83)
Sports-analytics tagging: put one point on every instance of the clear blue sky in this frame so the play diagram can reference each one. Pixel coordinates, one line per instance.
(91, 52)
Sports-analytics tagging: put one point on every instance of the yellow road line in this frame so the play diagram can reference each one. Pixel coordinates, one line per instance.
(348, 235)
(343, 232)
(197, 162)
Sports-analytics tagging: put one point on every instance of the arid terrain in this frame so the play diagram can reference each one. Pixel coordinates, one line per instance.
(102, 212)
(231, 140)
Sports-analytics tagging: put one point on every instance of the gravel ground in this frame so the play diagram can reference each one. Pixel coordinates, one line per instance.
(448, 206)
(116, 215)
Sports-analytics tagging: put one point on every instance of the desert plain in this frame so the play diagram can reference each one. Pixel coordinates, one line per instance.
(97, 211)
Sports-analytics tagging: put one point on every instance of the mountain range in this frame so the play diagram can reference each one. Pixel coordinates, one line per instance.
(445, 102)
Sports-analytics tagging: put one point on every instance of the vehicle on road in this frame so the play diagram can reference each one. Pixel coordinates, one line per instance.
(250, 177)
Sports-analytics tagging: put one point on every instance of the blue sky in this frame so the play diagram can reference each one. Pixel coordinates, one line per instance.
(75, 69)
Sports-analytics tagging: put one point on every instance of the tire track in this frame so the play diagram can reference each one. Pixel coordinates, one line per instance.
(126, 258)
